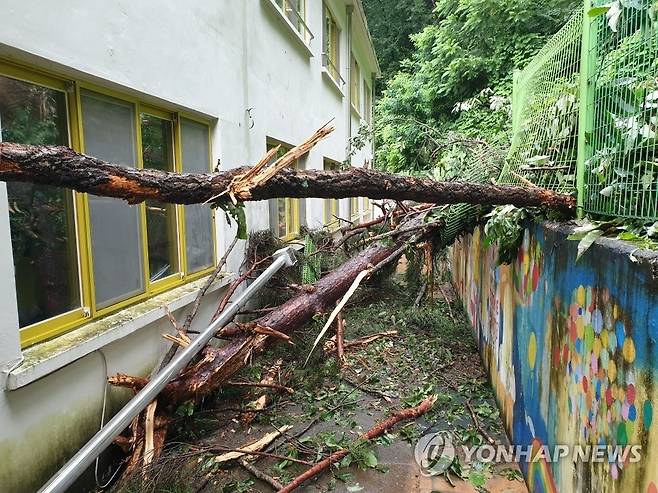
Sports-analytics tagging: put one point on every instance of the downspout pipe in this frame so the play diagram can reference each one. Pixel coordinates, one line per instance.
(348, 126)
(67, 475)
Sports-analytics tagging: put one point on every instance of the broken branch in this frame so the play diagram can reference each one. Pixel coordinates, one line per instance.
(378, 430)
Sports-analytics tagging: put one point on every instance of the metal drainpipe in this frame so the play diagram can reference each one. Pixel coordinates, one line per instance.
(348, 146)
(93, 448)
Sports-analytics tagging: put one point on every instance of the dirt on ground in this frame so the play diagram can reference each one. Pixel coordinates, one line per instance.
(433, 352)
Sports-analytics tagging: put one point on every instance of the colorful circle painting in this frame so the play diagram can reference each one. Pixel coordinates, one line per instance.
(528, 268)
(596, 350)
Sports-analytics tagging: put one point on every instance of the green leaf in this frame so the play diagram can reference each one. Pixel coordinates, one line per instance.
(647, 180)
(587, 242)
(242, 222)
(608, 191)
(354, 488)
(598, 11)
(370, 460)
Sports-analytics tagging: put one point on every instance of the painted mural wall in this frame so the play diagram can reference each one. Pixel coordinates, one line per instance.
(572, 352)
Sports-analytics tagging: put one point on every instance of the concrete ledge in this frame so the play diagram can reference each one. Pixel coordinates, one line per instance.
(48, 357)
(297, 36)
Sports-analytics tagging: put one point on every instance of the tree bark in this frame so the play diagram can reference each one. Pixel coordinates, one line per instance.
(61, 166)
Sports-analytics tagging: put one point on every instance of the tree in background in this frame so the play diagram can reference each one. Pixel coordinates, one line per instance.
(458, 78)
(392, 22)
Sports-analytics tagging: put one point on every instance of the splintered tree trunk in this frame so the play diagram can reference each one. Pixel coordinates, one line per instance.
(60, 166)
(218, 365)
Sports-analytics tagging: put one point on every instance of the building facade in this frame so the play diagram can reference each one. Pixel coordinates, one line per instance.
(187, 88)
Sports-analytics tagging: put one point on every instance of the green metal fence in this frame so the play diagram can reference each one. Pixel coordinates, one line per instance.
(621, 165)
(545, 114)
(586, 111)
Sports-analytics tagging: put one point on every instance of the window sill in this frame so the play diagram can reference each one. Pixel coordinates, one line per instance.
(299, 38)
(332, 82)
(47, 357)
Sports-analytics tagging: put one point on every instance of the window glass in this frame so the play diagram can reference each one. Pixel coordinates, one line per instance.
(330, 205)
(331, 45)
(42, 218)
(355, 90)
(161, 226)
(116, 242)
(367, 103)
(199, 242)
(354, 206)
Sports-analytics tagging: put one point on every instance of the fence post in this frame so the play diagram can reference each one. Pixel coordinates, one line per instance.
(586, 110)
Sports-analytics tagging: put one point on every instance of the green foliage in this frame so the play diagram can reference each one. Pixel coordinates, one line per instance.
(235, 212)
(504, 229)
(391, 23)
(643, 235)
(459, 76)
(311, 268)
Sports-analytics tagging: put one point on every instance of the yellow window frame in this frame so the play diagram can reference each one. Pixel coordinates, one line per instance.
(68, 321)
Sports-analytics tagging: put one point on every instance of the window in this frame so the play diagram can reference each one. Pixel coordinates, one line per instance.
(157, 134)
(198, 218)
(367, 209)
(331, 205)
(284, 212)
(367, 103)
(78, 256)
(354, 207)
(295, 12)
(42, 218)
(109, 129)
(331, 46)
(355, 82)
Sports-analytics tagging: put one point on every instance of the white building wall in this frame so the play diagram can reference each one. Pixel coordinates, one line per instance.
(233, 61)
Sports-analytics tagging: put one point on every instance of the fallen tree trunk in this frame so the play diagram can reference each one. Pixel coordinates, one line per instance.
(215, 366)
(63, 167)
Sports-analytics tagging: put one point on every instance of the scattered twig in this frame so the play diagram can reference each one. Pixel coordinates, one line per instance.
(195, 307)
(252, 447)
(421, 295)
(242, 452)
(448, 304)
(258, 474)
(340, 339)
(476, 422)
(263, 385)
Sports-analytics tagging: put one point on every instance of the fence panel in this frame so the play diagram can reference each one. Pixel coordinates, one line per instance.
(546, 104)
(621, 168)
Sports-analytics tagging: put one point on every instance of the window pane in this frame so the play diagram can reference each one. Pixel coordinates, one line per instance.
(161, 227)
(199, 243)
(42, 218)
(116, 240)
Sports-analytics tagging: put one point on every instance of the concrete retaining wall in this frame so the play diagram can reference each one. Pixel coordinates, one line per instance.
(571, 352)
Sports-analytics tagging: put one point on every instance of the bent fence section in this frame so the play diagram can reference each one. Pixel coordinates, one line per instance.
(586, 111)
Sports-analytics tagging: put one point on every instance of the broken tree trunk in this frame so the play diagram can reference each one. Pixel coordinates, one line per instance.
(215, 366)
(63, 167)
